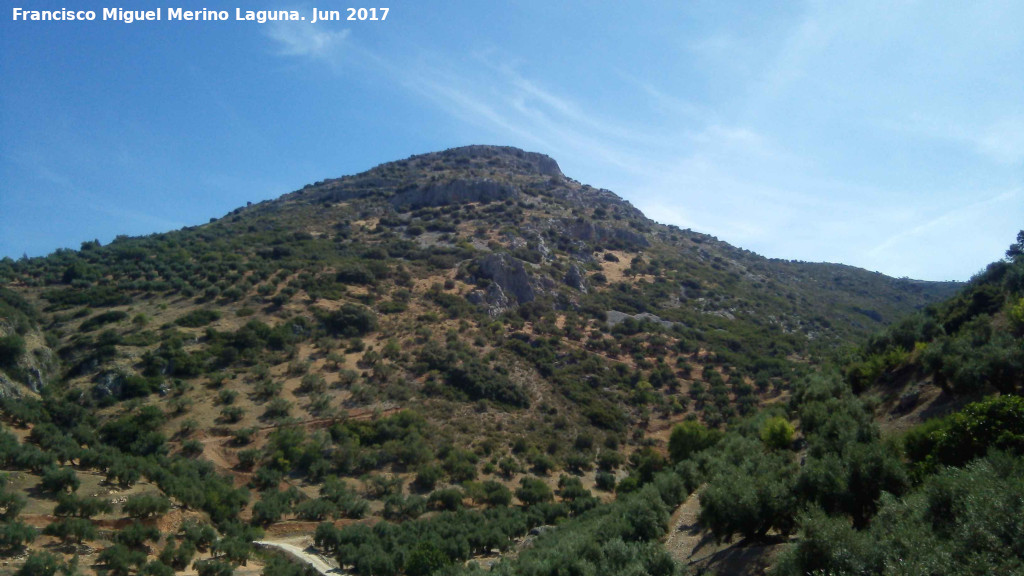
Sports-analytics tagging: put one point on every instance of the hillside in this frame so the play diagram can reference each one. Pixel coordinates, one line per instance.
(931, 479)
(427, 336)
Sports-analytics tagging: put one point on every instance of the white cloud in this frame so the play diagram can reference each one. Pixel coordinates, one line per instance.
(303, 39)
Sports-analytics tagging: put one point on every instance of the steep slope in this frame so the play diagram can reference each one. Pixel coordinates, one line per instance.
(906, 455)
(447, 325)
(950, 353)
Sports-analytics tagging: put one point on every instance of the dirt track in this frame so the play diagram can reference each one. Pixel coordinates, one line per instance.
(315, 560)
(685, 538)
(692, 546)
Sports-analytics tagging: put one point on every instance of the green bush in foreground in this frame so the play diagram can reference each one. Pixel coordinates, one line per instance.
(961, 521)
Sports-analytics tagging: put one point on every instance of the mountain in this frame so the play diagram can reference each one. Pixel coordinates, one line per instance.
(426, 335)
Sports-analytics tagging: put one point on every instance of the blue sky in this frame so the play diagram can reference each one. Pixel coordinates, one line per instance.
(886, 135)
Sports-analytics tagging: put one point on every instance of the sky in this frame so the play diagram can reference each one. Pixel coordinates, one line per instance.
(884, 135)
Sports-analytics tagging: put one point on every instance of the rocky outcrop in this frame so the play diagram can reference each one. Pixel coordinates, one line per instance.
(587, 231)
(493, 298)
(454, 192)
(575, 279)
(507, 282)
(11, 389)
(616, 317)
(508, 273)
(109, 385)
(34, 368)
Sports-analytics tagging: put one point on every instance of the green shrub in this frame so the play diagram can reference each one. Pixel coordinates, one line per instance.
(349, 321)
(997, 422)
(136, 534)
(447, 499)
(82, 507)
(749, 492)
(496, 494)
(605, 481)
(961, 521)
(39, 563)
(71, 530)
(59, 479)
(428, 476)
(14, 536)
(777, 433)
(273, 504)
(103, 319)
(213, 567)
(146, 505)
(425, 560)
(689, 438)
(11, 349)
(533, 491)
(198, 318)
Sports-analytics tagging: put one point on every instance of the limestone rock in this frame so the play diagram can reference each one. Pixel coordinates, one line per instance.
(575, 279)
(590, 232)
(458, 191)
(508, 273)
(108, 385)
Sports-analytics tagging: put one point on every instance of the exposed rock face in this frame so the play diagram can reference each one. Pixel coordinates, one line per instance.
(36, 379)
(9, 388)
(510, 275)
(546, 165)
(454, 192)
(493, 298)
(589, 232)
(38, 363)
(510, 284)
(575, 279)
(108, 385)
(616, 317)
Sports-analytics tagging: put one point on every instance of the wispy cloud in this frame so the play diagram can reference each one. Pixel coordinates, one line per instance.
(776, 168)
(699, 174)
(665, 103)
(501, 100)
(304, 39)
(958, 218)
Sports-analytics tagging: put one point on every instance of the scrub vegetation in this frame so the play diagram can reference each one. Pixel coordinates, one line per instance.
(467, 359)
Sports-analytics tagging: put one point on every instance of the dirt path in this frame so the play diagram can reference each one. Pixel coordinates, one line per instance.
(319, 563)
(691, 545)
(684, 533)
(687, 543)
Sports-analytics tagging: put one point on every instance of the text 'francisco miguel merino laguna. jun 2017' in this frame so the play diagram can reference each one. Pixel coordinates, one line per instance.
(204, 15)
